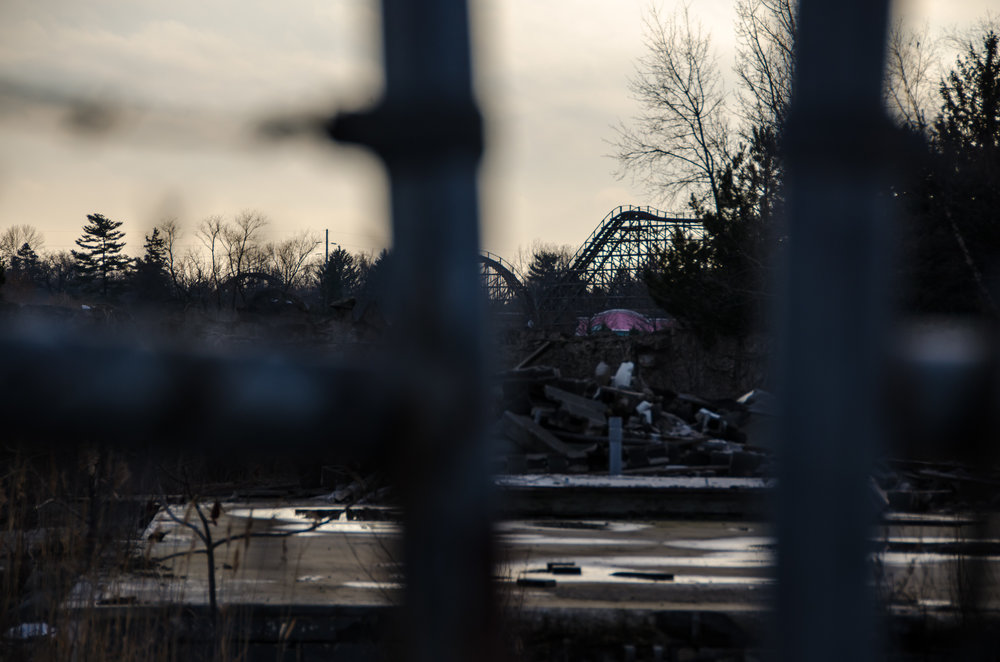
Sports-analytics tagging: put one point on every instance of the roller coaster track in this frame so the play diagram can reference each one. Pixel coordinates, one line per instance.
(607, 269)
(626, 239)
(504, 286)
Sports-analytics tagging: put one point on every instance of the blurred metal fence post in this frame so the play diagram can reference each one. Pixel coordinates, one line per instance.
(428, 131)
(833, 331)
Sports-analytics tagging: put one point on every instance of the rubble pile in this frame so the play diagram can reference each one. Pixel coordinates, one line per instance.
(914, 485)
(548, 423)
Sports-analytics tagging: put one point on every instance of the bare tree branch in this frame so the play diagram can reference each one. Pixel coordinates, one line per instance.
(680, 141)
(912, 69)
(17, 236)
(183, 522)
(765, 57)
(210, 233)
(287, 259)
(239, 536)
(171, 232)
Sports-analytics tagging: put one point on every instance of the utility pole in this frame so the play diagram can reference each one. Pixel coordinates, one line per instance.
(327, 261)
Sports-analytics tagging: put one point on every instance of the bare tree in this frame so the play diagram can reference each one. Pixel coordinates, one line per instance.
(912, 72)
(287, 259)
(239, 240)
(195, 275)
(957, 42)
(59, 269)
(765, 59)
(171, 232)
(210, 233)
(16, 236)
(680, 141)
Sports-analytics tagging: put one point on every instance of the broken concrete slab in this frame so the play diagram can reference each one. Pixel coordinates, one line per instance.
(710, 421)
(533, 437)
(622, 401)
(672, 426)
(542, 412)
(720, 446)
(686, 406)
(593, 411)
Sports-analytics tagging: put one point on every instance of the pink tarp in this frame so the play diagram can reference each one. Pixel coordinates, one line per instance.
(622, 322)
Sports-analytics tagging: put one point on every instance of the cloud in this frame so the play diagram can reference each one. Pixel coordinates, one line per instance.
(191, 77)
(237, 61)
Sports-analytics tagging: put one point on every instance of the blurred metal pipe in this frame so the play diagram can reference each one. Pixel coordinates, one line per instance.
(428, 131)
(62, 392)
(833, 330)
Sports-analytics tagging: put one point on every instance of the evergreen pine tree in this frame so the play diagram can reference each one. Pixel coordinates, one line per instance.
(954, 240)
(151, 279)
(547, 270)
(27, 265)
(715, 282)
(339, 276)
(101, 259)
(374, 280)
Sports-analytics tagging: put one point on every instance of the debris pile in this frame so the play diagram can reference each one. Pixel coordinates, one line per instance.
(913, 485)
(548, 423)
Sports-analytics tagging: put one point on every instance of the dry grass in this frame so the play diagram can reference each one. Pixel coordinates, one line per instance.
(67, 529)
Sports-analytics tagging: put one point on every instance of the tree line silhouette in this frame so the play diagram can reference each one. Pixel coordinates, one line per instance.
(235, 269)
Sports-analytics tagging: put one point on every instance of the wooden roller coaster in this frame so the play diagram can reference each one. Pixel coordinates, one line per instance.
(605, 272)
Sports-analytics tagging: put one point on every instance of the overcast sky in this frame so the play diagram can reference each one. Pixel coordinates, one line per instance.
(193, 78)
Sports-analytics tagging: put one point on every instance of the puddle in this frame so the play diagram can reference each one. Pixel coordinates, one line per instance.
(597, 574)
(938, 540)
(695, 559)
(370, 528)
(929, 519)
(907, 558)
(374, 586)
(735, 544)
(537, 540)
(727, 560)
(587, 525)
(715, 579)
(293, 519)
